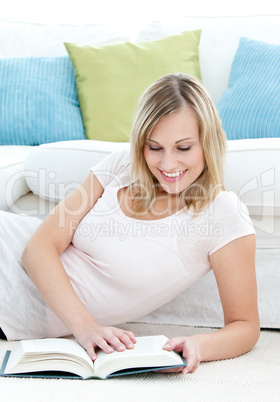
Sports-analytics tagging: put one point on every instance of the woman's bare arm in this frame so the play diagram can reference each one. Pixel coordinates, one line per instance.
(42, 263)
(234, 268)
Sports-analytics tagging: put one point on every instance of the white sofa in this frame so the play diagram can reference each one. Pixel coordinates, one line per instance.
(34, 179)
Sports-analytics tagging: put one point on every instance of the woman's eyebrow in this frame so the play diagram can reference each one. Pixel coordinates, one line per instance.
(183, 139)
(150, 140)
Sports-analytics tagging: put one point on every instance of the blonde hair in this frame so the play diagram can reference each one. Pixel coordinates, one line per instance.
(167, 95)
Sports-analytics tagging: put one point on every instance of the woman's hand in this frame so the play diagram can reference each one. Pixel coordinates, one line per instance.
(190, 350)
(107, 339)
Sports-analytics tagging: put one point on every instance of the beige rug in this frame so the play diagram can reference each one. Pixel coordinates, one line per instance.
(251, 377)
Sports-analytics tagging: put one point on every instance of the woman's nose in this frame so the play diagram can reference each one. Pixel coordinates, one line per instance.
(169, 162)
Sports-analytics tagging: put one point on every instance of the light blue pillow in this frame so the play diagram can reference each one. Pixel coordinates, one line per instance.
(250, 107)
(38, 101)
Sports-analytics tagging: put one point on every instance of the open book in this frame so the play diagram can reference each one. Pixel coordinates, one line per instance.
(65, 358)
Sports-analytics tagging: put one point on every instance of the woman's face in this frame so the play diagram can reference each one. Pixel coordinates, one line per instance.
(173, 152)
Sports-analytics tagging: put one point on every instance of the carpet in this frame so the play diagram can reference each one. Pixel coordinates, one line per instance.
(253, 376)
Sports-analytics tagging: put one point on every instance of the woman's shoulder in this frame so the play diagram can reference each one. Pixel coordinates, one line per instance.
(115, 167)
(226, 199)
(228, 207)
(114, 160)
(226, 196)
(229, 219)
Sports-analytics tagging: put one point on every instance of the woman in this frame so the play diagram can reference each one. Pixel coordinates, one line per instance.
(143, 227)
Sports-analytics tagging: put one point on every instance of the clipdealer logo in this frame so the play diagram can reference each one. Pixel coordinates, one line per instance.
(261, 188)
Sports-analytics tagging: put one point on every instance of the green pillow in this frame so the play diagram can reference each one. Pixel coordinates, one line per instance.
(110, 79)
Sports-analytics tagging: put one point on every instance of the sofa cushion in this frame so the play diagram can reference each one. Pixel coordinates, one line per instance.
(110, 79)
(54, 170)
(38, 101)
(250, 107)
(12, 176)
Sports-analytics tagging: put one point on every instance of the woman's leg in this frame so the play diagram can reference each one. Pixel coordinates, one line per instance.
(16, 289)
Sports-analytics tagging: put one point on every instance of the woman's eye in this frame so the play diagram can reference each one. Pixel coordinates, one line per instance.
(184, 148)
(151, 148)
(154, 148)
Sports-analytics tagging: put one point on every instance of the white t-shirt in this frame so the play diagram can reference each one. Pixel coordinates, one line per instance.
(124, 268)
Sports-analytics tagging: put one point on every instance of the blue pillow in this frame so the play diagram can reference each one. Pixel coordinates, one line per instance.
(38, 101)
(250, 107)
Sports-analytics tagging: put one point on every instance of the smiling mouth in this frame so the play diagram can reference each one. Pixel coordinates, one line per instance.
(171, 177)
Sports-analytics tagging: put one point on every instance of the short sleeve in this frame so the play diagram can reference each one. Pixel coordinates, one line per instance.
(114, 169)
(230, 220)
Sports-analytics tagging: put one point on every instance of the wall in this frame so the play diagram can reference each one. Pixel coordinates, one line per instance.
(127, 12)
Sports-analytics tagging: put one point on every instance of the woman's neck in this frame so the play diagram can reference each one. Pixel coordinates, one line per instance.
(164, 205)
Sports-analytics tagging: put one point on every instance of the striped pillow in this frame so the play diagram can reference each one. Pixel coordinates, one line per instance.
(250, 107)
(38, 101)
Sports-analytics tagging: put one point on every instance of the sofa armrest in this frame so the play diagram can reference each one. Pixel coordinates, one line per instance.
(12, 177)
(55, 169)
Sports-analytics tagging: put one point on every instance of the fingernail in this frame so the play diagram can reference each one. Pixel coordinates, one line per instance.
(131, 345)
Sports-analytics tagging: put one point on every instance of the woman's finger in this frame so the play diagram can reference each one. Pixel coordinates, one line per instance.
(102, 344)
(191, 354)
(91, 352)
(189, 350)
(130, 335)
(175, 344)
(127, 340)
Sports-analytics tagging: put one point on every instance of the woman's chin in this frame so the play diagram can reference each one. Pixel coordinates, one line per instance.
(170, 189)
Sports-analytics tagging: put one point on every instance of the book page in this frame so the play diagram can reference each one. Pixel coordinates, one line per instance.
(148, 351)
(14, 358)
(62, 346)
(42, 351)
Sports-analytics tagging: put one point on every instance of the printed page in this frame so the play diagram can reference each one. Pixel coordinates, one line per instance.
(41, 348)
(148, 351)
